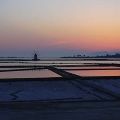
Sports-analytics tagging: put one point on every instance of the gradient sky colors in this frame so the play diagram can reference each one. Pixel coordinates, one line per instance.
(59, 27)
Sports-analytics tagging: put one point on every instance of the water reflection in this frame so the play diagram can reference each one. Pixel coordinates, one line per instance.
(28, 74)
(92, 67)
(58, 62)
(96, 72)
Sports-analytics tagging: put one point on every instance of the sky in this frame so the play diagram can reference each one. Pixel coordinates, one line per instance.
(59, 27)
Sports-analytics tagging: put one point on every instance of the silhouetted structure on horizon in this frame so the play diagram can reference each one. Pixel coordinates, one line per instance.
(115, 55)
(35, 57)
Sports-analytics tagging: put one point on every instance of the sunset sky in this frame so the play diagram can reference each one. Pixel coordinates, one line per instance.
(59, 27)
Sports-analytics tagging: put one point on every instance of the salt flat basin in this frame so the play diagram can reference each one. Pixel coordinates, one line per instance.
(15, 68)
(91, 67)
(95, 72)
(58, 62)
(76, 62)
(28, 74)
(38, 63)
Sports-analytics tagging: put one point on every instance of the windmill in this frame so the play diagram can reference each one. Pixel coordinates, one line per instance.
(35, 55)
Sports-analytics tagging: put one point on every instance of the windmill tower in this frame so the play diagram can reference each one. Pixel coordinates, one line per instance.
(35, 57)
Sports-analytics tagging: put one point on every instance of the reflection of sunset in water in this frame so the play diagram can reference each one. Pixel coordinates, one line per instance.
(90, 68)
(96, 72)
(28, 74)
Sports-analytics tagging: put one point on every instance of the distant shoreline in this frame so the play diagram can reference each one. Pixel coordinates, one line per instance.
(60, 59)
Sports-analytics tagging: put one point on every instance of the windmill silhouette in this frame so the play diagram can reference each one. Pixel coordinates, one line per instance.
(35, 55)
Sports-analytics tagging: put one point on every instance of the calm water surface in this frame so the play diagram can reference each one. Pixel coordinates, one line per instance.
(92, 67)
(48, 73)
(95, 72)
(70, 62)
(28, 74)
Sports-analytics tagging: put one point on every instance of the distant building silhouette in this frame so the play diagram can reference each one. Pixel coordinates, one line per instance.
(35, 57)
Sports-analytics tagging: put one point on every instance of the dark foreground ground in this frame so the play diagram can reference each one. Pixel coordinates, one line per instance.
(62, 111)
(77, 99)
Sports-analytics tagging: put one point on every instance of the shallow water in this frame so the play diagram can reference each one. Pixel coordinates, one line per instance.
(92, 67)
(48, 73)
(58, 62)
(28, 74)
(95, 72)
